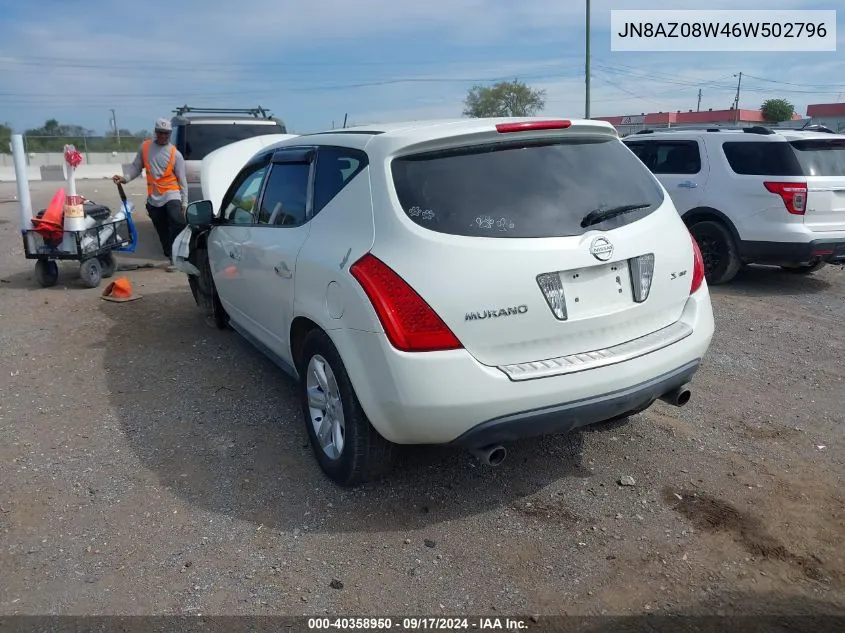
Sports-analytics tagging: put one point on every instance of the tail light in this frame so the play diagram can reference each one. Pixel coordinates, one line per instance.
(642, 272)
(409, 322)
(697, 267)
(552, 289)
(793, 194)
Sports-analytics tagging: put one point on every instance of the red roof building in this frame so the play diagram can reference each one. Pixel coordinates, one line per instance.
(664, 119)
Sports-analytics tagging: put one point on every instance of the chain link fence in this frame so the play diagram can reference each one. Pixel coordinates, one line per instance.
(43, 150)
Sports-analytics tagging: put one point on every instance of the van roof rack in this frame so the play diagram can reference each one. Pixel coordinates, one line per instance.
(255, 112)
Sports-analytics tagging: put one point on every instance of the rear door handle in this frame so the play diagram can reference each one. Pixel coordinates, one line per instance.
(687, 184)
(282, 270)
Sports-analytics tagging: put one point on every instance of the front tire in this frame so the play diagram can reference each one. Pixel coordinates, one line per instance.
(347, 447)
(718, 250)
(205, 293)
(91, 272)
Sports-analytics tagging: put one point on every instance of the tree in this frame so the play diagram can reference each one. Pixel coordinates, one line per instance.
(777, 110)
(506, 98)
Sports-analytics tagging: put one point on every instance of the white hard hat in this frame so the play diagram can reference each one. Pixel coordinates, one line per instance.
(163, 125)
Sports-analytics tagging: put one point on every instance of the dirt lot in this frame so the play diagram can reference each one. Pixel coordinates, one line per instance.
(153, 464)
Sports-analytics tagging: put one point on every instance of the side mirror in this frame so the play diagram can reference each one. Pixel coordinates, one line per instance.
(200, 213)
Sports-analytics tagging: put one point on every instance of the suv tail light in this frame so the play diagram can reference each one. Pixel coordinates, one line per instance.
(409, 322)
(794, 195)
(697, 267)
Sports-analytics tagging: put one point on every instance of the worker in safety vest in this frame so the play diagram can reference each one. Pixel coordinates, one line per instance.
(167, 184)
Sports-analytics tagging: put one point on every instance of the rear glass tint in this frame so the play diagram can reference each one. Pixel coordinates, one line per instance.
(524, 190)
(750, 158)
(821, 157)
(201, 139)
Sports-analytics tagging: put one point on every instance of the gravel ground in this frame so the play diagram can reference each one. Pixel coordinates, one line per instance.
(151, 464)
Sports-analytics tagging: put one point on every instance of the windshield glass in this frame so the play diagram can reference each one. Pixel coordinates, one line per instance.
(521, 190)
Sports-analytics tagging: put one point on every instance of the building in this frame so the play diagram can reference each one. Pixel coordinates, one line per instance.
(634, 123)
(831, 115)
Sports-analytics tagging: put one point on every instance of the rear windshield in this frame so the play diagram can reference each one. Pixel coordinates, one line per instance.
(821, 157)
(524, 190)
(201, 139)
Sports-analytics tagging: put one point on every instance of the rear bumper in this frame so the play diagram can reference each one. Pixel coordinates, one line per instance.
(566, 417)
(449, 397)
(785, 253)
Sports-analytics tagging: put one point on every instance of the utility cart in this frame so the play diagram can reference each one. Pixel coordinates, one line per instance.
(93, 247)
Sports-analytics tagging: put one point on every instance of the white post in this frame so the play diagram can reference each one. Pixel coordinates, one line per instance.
(22, 179)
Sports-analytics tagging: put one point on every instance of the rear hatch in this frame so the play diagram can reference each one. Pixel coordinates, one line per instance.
(502, 257)
(822, 161)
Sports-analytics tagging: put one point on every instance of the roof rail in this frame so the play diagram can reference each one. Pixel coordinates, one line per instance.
(255, 112)
(646, 131)
(816, 128)
(758, 129)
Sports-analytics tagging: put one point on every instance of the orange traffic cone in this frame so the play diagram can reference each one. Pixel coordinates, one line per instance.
(119, 290)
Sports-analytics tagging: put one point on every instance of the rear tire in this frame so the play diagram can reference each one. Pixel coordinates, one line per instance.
(805, 269)
(363, 454)
(46, 273)
(720, 254)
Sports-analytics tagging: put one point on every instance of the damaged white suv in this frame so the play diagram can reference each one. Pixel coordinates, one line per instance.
(466, 282)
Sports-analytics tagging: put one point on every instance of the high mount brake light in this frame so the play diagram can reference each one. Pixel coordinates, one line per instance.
(532, 126)
(410, 323)
(793, 194)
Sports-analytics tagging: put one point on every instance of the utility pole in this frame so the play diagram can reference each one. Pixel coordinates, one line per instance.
(116, 129)
(698, 107)
(736, 100)
(587, 67)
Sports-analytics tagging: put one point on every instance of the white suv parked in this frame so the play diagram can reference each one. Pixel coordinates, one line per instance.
(753, 195)
(464, 282)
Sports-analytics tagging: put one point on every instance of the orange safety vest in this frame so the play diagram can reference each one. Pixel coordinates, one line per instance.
(168, 180)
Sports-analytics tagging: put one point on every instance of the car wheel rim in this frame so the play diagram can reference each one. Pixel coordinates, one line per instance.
(710, 252)
(325, 406)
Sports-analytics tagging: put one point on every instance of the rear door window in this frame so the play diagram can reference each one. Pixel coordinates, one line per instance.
(200, 139)
(821, 157)
(764, 158)
(524, 190)
(668, 157)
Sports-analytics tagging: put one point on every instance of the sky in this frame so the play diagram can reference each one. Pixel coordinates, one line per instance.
(312, 63)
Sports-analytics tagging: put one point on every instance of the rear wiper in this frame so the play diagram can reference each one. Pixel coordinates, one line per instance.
(600, 215)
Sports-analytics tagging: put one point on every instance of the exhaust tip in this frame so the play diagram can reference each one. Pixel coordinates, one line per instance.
(497, 456)
(677, 397)
(490, 455)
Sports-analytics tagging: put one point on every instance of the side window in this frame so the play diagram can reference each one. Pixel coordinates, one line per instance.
(761, 158)
(241, 206)
(677, 157)
(336, 167)
(286, 195)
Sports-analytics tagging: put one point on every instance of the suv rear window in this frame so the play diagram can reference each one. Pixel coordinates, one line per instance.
(764, 158)
(197, 140)
(821, 157)
(524, 190)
